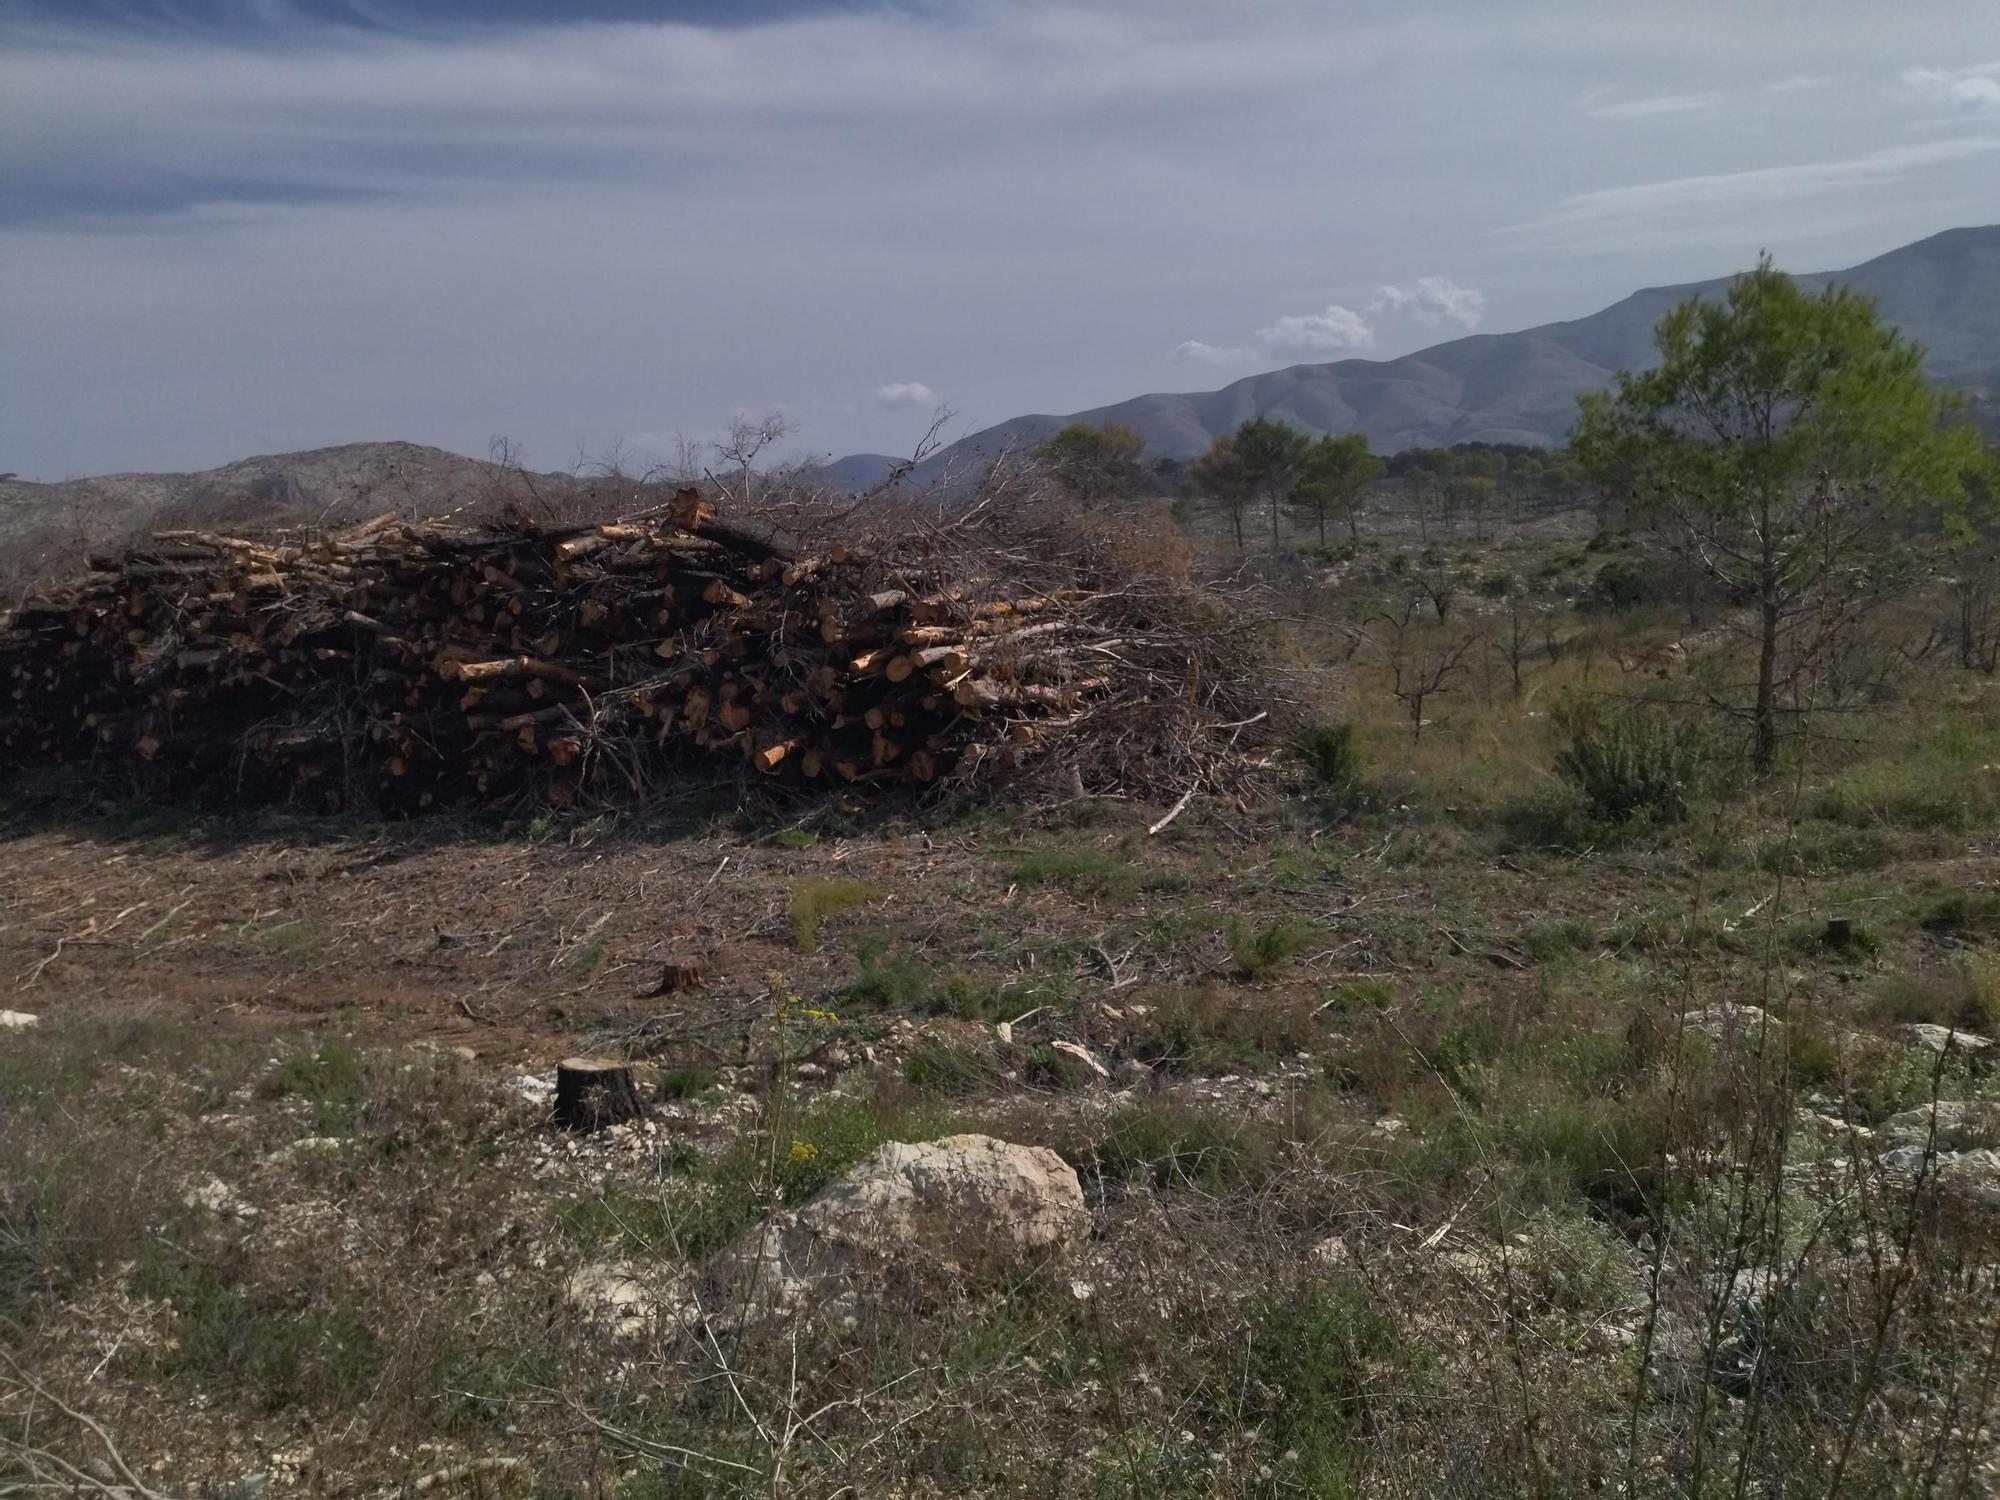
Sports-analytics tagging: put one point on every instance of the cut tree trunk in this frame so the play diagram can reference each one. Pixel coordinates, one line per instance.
(592, 1093)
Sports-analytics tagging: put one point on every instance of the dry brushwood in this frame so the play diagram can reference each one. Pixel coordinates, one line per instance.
(418, 664)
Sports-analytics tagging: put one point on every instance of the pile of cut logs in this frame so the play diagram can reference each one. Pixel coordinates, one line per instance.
(419, 664)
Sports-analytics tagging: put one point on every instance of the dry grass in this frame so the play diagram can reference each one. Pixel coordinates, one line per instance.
(1425, 1169)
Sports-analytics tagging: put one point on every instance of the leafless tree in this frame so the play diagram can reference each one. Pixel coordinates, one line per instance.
(1522, 620)
(1422, 660)
(746, 439)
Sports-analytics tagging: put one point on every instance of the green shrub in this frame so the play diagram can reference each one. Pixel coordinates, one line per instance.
(1256, 949)
(1625, 584)
(1550, 815)
(1331, 754)
(1632, 763)
(1313, 1355)
(1176, 1146)
(815, 899)
(1959, 912)
(686, 1082)
(890, 978)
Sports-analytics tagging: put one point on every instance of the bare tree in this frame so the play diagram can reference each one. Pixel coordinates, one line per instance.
(1422, 661)
(747, 438)
(1522, 619)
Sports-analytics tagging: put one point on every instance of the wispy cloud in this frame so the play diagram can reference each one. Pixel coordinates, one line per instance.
(1662, 104)
(1213, 356)
(1432, 300)
(1722, 207)
(1336, 330)
(1802, 83)
(1976, 88)
(906, 395)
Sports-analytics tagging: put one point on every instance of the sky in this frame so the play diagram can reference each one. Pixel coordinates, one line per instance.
(231, 227)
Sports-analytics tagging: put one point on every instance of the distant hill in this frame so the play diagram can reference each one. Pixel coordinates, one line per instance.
(1943, 291)
(350, 482)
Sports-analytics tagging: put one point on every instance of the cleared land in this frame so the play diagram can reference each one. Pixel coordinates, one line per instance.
(1433, 1157)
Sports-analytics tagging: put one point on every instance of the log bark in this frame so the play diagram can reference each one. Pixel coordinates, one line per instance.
(592, 1093)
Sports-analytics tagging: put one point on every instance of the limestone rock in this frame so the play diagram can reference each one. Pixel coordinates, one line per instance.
(623, 1298)
(971, 1205)
(1933, 1038)
(18, 1020)
(1962, 1125)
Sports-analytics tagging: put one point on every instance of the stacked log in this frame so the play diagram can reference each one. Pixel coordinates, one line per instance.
(419, 664)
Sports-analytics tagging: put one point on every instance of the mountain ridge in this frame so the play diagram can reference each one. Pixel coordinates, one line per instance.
(1521, 387)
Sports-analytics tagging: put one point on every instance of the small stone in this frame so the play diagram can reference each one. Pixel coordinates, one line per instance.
(808, 1072)
(18, 1020)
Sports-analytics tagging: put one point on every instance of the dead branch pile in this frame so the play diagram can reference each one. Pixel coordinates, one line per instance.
(420, 664)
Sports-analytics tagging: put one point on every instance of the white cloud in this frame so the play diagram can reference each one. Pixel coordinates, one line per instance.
(1195, 352)
(901, 395)
(1333, 331)
(1802, 83)
(1975, 88)
(1663, 104)
(1432, 300)
(1725, 207)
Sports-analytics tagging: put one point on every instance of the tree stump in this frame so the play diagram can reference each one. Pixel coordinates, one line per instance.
(678, 976)
(592, 1093)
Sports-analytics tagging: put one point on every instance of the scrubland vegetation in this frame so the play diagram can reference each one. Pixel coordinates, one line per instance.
(1570, 1075)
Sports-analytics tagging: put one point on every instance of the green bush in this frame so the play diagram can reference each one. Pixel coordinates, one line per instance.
(1635, 762)
(1625, 584)
(890, 978)
(1331, 754)
(1313, 1355)
(1256, 949)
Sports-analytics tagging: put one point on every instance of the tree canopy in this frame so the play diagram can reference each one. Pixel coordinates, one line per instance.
(1781, 440)
(1095, 464)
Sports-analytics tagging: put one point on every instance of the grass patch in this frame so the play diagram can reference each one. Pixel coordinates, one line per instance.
(1966, 996)
(1086, 872)
(276, 1348)
(949, 1069)
(329, 1076)
(1558, 937)
(815, 900)
(1315, 1350)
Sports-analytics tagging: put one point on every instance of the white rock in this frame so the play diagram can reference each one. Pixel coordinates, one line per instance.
(218, 1197)
(1725, 1018)
(1962, 1125)
(625, 1299)
(18, 1020)
(1937, 1038)
(978, 1206)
